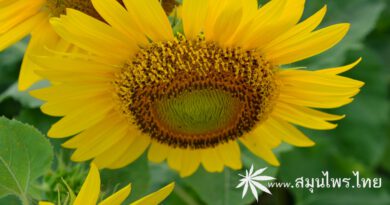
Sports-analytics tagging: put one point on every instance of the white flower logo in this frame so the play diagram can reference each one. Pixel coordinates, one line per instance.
(253, 180)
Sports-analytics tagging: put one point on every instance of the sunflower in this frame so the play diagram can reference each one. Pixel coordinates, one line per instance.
(191, 97)
(23, 17)
(90, 190)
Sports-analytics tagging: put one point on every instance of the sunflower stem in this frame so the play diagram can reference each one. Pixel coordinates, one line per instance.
(24, 199)
(227, 182)
(188, 199)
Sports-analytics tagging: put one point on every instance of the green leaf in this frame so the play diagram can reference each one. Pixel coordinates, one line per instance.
(25, 155)
(36, 118)
(10, 200)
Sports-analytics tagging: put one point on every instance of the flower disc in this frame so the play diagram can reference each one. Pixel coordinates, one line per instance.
(194, 93)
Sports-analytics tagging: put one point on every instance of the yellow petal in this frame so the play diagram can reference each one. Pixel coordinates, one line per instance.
(287, 132)
(70, 91)
(157, 197)
(250, 8)
(263, 135)
(252, 29)
(41, 38)
(82, 76)
(90, 190)
(316, 101)
(45, 203)
(118, 197)
(135, 150)
(295, 32)
(259, 149)
(97, 37)
(110, 121)
(275, 24)
(23, 29)
(293, 76)
(119, 18)
(65, 70)
(108, 157)
(318, 114)
(101, 142)
(339, 70)
(226, 24)
(151, 19)
(85, 118)
(215, 7)
(190, 162)
(317, 88)
(211, 160)
(16, 12)
(194, 15)
(230, 154)
(158, 152)
(60, 107)
(296, 115)
(307, 45)
(175, 158)
(72, 65)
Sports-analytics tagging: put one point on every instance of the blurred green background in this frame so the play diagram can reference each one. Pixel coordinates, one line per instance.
(360, 143)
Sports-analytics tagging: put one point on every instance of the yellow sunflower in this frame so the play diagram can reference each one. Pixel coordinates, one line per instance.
(20, 18)
(191, 97)
(89, 193)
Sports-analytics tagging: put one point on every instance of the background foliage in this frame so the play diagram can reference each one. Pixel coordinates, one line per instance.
(360, 143)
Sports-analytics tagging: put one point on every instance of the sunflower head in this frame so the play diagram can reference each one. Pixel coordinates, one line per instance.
(191, 97)
(194, 93)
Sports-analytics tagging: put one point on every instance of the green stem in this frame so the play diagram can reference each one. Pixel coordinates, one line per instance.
(24, 199)
(188, 199)
(227, 186)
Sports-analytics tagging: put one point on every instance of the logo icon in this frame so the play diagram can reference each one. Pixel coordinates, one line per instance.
(252, 180)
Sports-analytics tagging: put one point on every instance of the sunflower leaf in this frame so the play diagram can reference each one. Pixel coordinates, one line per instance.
(25, 155)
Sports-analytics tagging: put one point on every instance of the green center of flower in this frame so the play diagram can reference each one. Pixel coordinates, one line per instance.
(198, 112)
(194, 93)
